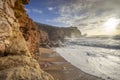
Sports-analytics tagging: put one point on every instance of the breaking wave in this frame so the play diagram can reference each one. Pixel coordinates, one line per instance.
(96, 56)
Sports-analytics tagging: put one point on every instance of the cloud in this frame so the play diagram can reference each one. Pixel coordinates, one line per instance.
(118, 27)
(92, 13)
(50, 8)
(37, 11)
(28, 10)
(34, 10)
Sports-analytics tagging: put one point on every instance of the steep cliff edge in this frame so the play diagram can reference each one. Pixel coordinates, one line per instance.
(19, 40)
(56, 34)
(28, 28)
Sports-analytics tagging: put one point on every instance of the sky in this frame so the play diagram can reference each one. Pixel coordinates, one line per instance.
(94, 17)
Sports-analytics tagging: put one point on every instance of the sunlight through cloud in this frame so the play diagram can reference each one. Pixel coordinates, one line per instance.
(111, 24)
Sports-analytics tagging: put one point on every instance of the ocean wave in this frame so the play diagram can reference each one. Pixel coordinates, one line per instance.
(99, 57)
(95, 42)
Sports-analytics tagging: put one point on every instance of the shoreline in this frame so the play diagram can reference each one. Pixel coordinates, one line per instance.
(59, 68)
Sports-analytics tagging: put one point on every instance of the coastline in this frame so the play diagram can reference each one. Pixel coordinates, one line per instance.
(59, 68)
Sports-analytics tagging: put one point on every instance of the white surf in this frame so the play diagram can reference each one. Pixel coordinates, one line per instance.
(96, 56)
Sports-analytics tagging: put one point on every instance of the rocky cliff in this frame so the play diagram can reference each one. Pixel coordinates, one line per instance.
(29, 30)
(56, 34)
(19, 40)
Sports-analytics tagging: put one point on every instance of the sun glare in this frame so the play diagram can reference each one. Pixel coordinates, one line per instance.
(111, 24)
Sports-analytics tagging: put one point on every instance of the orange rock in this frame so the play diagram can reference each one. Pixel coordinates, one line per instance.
(2, 49)
(19, 41)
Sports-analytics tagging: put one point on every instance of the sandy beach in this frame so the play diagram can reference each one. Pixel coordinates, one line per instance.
(59, 68)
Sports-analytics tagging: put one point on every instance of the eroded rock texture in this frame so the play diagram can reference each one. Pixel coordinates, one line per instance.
(11, 39)
(19, 40)
(21, 68)
(29, 30)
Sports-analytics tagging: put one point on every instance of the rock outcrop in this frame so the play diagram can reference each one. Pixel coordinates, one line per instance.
(59, 33)
(56, 34)
(19, 40)
(44, 39)
(28, 28)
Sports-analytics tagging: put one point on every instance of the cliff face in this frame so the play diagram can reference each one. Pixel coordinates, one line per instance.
(19, 40)
(71, 32)
(59, 33)
(11, 39)
(44, 39)
(29, 30)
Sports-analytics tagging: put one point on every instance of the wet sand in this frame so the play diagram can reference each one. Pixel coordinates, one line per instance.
(59, 68)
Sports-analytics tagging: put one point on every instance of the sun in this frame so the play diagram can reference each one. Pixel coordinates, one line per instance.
(111, 24)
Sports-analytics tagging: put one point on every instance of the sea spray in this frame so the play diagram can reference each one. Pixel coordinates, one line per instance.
(96, 56)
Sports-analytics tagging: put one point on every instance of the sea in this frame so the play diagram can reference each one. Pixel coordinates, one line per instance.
(98, 56)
